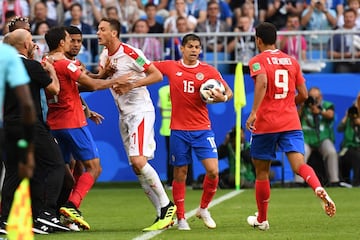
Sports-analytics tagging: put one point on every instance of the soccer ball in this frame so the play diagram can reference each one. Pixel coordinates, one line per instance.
(205, 92)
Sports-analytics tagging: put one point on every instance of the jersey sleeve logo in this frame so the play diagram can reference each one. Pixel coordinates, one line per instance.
(256, 67)
(139, 60)
(72, 67)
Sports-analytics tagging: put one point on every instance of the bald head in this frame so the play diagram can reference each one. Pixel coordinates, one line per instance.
(20, 36)
(21, 39)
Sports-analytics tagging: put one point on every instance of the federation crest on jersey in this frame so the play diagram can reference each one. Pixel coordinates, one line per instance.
(256, 67)
(114, 61)
(199, 76)
(72, 67)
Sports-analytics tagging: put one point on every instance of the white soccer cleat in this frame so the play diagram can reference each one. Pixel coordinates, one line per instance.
(183, 225)
(327, 204)
(204, 214)
(252, 221)
(73, 227)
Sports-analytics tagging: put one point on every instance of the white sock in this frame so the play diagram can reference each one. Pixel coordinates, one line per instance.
(150, 194)
(152, 179)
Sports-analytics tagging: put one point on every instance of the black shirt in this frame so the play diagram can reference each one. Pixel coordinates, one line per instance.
(39, 78)
(157, 28)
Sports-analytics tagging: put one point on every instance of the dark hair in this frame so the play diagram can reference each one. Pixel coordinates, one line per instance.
(180, 18)
(211, 2)
(350, 10)
(41, 2)
(12, 24)
(267, 32)
(111, 8)
(54, 36)
(76, 4)
(114, 24)
(10, 14)
(73, 30)
(136, 22)
(352, 111)
(190, 37)
(150, 4)
(37, 26)
(292, 15)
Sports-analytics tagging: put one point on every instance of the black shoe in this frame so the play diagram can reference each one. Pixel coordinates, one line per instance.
(166, 216)
(3, 228)
(164, 210)
(52, 221)
(40, 228)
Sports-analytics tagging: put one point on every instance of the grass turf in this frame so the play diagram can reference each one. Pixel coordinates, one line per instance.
(120, 211)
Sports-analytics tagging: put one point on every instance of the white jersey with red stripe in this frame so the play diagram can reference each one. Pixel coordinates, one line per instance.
(128, 59)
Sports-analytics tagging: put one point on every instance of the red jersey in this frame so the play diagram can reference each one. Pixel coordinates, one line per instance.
(65, 110)
(277, 112)
(188, 112)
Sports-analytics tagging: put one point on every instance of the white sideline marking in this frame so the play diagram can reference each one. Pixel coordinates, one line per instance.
(149, 235)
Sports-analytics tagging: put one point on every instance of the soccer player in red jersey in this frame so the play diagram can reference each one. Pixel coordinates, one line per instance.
(190, 125)
(75, 168)
(274, 121)
(67, 122)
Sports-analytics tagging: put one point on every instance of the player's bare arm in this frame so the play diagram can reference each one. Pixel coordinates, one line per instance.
(97, 84)
(302, 94)
(153, 75)
(259, 93)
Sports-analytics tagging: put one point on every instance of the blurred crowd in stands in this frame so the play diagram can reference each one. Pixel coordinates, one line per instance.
(204, 16)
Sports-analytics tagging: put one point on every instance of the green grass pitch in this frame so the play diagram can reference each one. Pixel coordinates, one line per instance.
(120, 211)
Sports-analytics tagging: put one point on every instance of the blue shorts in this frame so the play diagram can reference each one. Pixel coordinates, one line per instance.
(265, 146)
(182, 143)
(77, 142)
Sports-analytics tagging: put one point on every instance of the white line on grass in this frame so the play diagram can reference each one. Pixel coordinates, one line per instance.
(190, 214)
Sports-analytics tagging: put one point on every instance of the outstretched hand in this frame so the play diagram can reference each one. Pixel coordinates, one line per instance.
(47, 64)
(124, 84)
(96, 117)
(109, 69)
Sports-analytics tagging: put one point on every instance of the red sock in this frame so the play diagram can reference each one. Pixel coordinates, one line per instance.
(77, 174)
(178, 192)
(262, 193)
(209, 190)
(82, 187)
(308, 174)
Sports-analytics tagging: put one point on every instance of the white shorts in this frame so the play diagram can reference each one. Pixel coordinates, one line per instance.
(137, 133)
